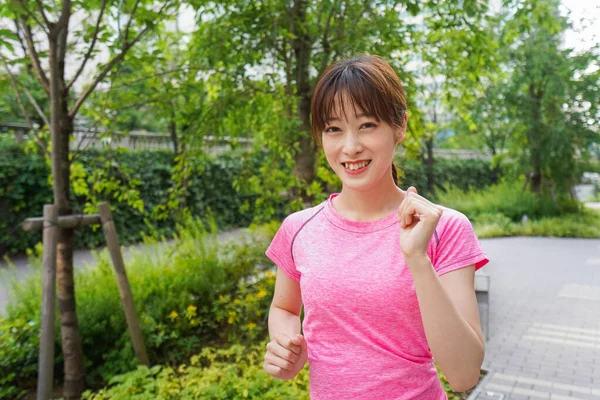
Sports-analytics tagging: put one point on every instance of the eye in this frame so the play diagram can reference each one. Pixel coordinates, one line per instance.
(332, 129)
(368, 125)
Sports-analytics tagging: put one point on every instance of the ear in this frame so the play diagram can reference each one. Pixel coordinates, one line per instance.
(401, 132)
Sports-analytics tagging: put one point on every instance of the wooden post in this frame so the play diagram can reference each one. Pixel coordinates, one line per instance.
(46, 356)
(114, 248)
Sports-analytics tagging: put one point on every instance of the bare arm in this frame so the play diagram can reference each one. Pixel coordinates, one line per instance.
(451, 320)
(286, 352)
(284, 314)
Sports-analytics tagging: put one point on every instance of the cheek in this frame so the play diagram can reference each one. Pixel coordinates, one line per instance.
(329, 151)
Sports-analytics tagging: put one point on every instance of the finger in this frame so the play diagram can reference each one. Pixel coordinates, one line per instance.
(286, 342)
(402, 210)
(424, 205)
(297, 339)
(274, 370)
(272, 359)
(419, 209)
(412, 189)
(282, 352)
(304, 346)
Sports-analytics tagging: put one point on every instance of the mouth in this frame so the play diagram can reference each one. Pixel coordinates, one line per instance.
(356, 165)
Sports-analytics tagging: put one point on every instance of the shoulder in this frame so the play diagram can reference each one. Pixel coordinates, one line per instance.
(295, 221)
(451, 217)
(453, 221)
(299, 218)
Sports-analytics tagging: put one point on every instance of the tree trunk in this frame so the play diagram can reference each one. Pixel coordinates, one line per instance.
(429, 163)
(62, 128)
(305, 167)
(535, 139)
(173, 132)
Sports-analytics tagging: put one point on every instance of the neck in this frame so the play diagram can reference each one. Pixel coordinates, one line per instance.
(369, 205)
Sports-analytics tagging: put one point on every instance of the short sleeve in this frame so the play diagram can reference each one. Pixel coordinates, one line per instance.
(280, 249)
(457, 245)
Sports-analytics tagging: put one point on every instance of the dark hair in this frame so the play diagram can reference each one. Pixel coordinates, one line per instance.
(368, 83)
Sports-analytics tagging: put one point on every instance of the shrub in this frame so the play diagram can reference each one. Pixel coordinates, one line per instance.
(506, 198)
(190, 293)
(24, 189)
(221, 374)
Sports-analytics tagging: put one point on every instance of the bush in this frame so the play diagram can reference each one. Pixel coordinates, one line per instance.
(584, 225)
(220, 374)
(24, 189)
(500, 211)
(190, 293)
(461, 175)
(508, 199)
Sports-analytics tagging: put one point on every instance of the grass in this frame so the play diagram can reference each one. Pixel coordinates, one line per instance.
(507, 210)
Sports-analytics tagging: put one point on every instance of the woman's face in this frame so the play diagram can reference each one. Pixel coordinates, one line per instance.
(359, 148)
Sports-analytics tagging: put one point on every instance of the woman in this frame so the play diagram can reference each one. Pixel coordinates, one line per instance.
(384, 275)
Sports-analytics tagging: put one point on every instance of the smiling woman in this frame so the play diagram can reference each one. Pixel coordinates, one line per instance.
(384, 275)
(372, 91)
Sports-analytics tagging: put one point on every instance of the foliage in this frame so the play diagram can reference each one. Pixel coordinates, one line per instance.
(542, 105)
(190, 293)
(24, 189)
(508, 199)
(265, 56)
(584, 225)
(461, 175)
(229, 374)
(508, 210)
(217, 373)
(19, 346)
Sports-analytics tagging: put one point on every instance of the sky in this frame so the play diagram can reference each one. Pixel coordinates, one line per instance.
(586, 33)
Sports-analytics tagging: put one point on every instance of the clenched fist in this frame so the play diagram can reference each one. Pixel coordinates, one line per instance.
(285, 356)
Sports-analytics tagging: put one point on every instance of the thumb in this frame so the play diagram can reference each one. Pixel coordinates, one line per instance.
(299, 340)
(303, 346)
(412, 189)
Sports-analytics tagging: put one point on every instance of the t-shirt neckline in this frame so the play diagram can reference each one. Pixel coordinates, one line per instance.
(357, 226)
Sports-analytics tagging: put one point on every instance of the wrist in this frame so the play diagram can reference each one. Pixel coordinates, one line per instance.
(419, 260)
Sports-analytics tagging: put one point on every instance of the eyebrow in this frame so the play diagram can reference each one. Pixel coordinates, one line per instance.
(361, 115)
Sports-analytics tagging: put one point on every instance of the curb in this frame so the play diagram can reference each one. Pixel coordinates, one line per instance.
(479, 388)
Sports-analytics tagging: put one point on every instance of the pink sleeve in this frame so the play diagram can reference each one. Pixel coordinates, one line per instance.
(280, 249)
(457, 246)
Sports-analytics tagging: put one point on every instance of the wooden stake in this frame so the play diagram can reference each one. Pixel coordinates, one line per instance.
(131, 316)
(46, 356)
(64, 222)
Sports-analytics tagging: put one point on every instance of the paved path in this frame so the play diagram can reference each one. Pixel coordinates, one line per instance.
(544, 319)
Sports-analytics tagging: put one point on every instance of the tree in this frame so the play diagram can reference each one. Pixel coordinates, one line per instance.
(457, 55)
(552, 93)
(286, 45)
(100, 24)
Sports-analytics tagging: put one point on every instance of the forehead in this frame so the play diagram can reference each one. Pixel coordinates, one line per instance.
(345, 106)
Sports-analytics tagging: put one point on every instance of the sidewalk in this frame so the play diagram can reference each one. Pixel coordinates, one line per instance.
(544, 319)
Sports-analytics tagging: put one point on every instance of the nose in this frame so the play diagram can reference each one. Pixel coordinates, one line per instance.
(352, 144)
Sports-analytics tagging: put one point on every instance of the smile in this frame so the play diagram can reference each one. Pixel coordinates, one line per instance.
(356, 166)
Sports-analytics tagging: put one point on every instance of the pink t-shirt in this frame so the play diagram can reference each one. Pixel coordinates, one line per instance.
(362, 321)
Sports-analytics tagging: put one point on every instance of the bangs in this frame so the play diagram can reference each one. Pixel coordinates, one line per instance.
(350, 87)
(366, 84)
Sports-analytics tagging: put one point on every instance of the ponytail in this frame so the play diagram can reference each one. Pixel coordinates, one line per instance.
(394, 173)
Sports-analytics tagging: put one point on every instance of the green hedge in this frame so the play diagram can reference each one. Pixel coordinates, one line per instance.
(25, 188)
(470, 174)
